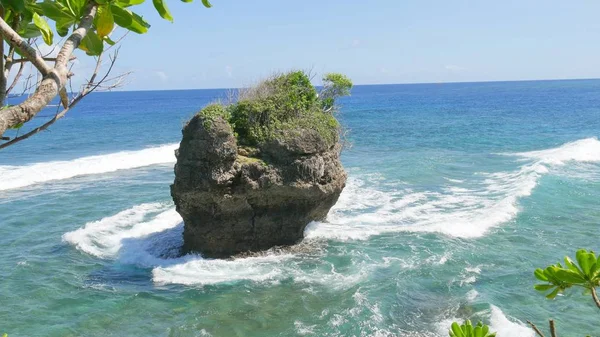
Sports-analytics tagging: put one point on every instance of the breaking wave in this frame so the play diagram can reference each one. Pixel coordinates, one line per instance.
(13, 177)
(458, 211)
(150, 235)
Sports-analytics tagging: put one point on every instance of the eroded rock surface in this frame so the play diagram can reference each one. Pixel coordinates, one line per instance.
(235, 199)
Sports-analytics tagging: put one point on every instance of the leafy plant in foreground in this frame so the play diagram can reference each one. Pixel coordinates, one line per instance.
(583, 273)
(468, 330)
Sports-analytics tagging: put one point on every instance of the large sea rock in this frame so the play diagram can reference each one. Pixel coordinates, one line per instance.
(234, 199)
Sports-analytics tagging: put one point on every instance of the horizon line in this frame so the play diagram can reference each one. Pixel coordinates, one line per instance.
(376, 84)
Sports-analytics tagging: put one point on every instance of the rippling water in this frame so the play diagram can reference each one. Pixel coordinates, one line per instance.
(456, 193)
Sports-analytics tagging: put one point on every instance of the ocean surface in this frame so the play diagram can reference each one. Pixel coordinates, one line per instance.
(456, 193)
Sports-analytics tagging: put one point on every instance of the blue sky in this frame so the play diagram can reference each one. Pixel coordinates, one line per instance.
(381, 41)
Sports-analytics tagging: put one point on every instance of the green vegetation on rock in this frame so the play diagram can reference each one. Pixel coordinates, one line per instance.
(283, 106)
(210, 112)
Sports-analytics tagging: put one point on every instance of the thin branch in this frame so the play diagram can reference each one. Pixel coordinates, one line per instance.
(3, 73)
(16, 79)
(535, 328)
(50, 59)
(552, 329)
(595, 297)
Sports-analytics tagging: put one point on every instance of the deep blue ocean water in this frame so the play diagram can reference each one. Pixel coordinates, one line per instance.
(456, 193)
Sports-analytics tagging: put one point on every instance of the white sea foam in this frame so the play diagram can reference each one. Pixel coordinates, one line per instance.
(150, 235)
(12, 177)
(507, 327)
(459, 211)
(147, 234)
(583, 150)
(498, 322)
(104, 238)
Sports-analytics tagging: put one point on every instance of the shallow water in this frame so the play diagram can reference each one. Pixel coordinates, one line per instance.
(456, 193)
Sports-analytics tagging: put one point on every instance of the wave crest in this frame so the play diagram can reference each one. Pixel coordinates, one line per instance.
(21, 176)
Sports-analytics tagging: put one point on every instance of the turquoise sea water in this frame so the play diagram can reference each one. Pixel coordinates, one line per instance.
(456, 193)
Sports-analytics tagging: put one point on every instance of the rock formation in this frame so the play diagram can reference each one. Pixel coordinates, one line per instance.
(237, 198)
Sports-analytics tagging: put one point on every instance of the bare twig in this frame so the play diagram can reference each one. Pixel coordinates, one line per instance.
(16, 79)
(595, 297)
(49, 59)
(3, 74)
(552, 329)
(535, 328)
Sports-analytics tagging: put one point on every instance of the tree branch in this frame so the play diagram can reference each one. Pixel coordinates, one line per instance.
(14, 39)
(16, 79)
(552, 329)
(595, 297)
(535, 328)
(51, 59)
(53, 81)
(3, 73)
(88, 88)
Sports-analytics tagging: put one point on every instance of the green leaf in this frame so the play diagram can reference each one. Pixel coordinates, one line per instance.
(206, 4)
(128, 20)
(44, 28)
(539, 274)
(188, 1)
(571, 265)
(553, 294)
(109, 41)
(17, 5)
(29, 31)
(456, 330)
(162, 9)
(76, 6)
(56, 11)
(62, 27)
(92, 44)
(569, 276)
(585, 260)
(543, 287)
(127, 3)
(105, 22)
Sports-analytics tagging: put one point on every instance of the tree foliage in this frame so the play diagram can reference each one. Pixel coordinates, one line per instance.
(334, 85)
(80, 24)
(584, 273)
(33, 19)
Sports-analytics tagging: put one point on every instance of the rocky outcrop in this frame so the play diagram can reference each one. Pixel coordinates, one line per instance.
(238, 199)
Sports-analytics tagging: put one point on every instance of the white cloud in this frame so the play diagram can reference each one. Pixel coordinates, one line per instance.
(229, 71)
(355, 43)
